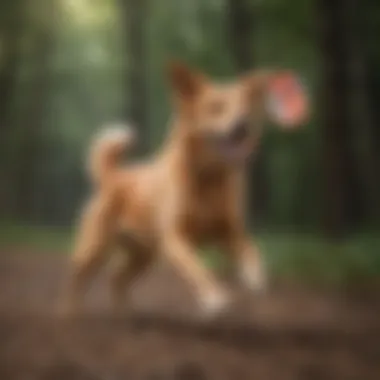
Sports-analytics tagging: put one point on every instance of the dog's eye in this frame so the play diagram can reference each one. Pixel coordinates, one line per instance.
(215, 108)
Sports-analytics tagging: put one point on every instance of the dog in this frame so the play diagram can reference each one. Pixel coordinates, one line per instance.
(191, 192)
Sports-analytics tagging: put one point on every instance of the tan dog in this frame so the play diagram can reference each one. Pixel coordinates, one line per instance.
(190, 193)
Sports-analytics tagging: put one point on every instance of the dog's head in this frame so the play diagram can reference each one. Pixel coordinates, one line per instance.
(228, 117)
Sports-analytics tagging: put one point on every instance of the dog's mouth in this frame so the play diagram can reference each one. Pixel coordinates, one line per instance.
(235, 152)
(237, 145)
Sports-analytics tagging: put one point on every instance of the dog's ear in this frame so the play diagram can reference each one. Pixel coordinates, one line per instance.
(186, 82)
(281, 95)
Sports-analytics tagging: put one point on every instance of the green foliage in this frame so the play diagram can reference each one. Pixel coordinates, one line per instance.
(87, 69)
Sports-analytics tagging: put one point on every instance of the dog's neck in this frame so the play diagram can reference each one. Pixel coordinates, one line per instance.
(194, 154)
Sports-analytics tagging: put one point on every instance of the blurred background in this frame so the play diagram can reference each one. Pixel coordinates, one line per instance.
(68, 66)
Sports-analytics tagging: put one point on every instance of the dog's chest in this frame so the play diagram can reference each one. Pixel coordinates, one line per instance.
(205, 213)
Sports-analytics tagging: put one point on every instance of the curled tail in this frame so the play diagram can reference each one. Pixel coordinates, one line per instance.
(106, 151)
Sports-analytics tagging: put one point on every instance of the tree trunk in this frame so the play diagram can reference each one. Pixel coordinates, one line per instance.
(32, 118)
(7, 80)
(362, 117)
(11, 28)
(11, 20)
(334, 104)
(134, 16)
(7, 84)
(240, 27)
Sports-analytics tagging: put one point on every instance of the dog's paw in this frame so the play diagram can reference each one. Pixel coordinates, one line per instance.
(253, 276)
(213, 303)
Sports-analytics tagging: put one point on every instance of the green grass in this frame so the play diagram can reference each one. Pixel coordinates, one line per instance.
(311, 259)
(302, 257)
(34, 238)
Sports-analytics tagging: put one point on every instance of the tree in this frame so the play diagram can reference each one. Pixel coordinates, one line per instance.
(40, 28)
(334, 108)
(11, 30)
(134, 14)
(240, 28)
(361, 111)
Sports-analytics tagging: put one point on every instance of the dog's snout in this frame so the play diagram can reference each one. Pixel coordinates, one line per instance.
(240, 131)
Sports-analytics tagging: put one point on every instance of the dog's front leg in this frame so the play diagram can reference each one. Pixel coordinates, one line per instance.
(211, 296)
(247, 260)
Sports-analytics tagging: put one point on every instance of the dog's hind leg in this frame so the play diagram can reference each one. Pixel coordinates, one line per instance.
(95, 238)
(133, 261)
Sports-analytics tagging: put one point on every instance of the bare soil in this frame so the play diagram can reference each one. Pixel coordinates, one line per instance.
(290, 333)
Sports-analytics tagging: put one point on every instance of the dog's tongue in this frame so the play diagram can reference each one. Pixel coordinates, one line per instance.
(235, 153)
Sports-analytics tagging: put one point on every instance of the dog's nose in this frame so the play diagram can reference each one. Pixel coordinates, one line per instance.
(239, 131)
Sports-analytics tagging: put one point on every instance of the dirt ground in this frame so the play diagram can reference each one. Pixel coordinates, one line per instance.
(288, 334)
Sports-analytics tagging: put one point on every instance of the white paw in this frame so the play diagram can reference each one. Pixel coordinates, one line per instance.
(253, 275)
(213, 303)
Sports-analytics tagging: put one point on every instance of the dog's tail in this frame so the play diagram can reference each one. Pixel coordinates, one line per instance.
(106, 151)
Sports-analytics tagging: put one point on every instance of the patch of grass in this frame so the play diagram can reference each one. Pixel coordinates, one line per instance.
(313, 260)
(34, 238)
(300, 257)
